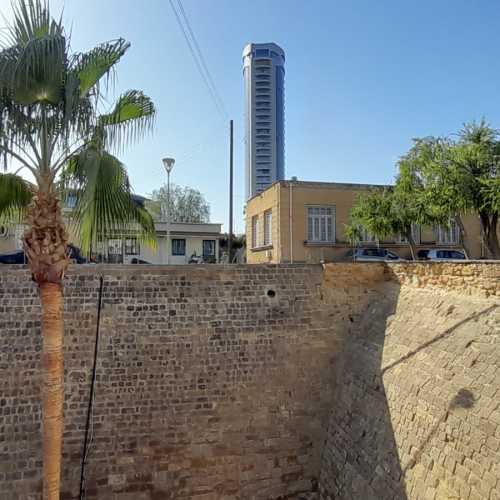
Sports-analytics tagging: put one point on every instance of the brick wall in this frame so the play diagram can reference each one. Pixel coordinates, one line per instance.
(212, 382)
(415, 410)
(368, 380)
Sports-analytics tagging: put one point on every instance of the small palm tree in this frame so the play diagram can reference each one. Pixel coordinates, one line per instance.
(52, 126)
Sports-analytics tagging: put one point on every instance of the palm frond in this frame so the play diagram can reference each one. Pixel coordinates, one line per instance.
(91, 66)
(132, 117)
(32, 63)
(105, 207)
(32, 20)
(15, 196)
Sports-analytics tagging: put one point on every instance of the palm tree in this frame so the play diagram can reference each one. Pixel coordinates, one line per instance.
(52, 127)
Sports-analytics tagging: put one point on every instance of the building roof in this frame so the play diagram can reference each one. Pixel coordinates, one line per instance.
(247, 50)
(323, 185)
(189, 228)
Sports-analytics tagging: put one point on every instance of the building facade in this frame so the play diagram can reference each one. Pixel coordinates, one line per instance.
(295, 221)
(264, 77)
(187, 241)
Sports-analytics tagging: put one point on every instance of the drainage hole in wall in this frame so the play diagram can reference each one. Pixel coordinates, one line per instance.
(271, 293)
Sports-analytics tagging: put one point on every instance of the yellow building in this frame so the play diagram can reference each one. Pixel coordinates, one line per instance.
(297, 221)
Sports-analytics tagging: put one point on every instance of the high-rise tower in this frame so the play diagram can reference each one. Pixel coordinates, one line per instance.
(264, 74)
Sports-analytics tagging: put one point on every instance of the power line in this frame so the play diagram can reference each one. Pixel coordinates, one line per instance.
(202, 59)
(213, 93)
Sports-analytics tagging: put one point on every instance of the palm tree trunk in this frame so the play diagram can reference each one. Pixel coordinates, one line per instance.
(45, 243)
(51, 297)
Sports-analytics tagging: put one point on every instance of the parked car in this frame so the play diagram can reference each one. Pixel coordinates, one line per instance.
(372, 255)
(18, 256)
(75, 254)
(135, 260)
(441, 254)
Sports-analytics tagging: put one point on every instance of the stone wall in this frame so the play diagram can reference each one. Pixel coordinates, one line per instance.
(481, 278)
(415, 410)
(213, 382)
(362, 381)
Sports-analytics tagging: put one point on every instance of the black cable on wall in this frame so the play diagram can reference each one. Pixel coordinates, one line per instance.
(91, 397)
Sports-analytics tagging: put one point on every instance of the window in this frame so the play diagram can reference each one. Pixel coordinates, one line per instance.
(415, 232)
(262, 53)
(178, 247)
(208, 248)
(131, 246)
(373, 252)
(115, 247)
(367, 237)
(268, 227)
(447, 235)
(71, 200)
(449, 254)
(255, 231)
(321, 224)
(115, 251)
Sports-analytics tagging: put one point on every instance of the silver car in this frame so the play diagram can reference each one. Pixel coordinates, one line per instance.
(441, 254)
(371, 254)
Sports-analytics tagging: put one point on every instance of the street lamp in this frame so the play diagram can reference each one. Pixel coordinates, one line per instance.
(168, 163)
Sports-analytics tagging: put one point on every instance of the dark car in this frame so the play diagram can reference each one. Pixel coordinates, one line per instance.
(75, 254)
(135, 260)
(18, 257)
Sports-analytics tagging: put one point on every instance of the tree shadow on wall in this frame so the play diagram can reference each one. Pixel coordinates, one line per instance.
(463, 399)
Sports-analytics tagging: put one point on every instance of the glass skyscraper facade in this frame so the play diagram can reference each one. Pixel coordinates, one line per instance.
(264, 76)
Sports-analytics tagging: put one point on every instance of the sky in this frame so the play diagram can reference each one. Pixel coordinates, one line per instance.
(362, 79)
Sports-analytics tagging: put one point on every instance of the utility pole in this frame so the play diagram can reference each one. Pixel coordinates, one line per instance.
(230, 239)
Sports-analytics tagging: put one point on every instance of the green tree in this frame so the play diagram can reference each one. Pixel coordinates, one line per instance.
(391, 211)
(50, 126)
(186, 204)
(462, 176)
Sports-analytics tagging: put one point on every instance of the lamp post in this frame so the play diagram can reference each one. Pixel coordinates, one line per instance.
(168, 163)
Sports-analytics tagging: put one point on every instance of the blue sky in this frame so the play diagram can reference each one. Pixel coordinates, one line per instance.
(362, 79)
